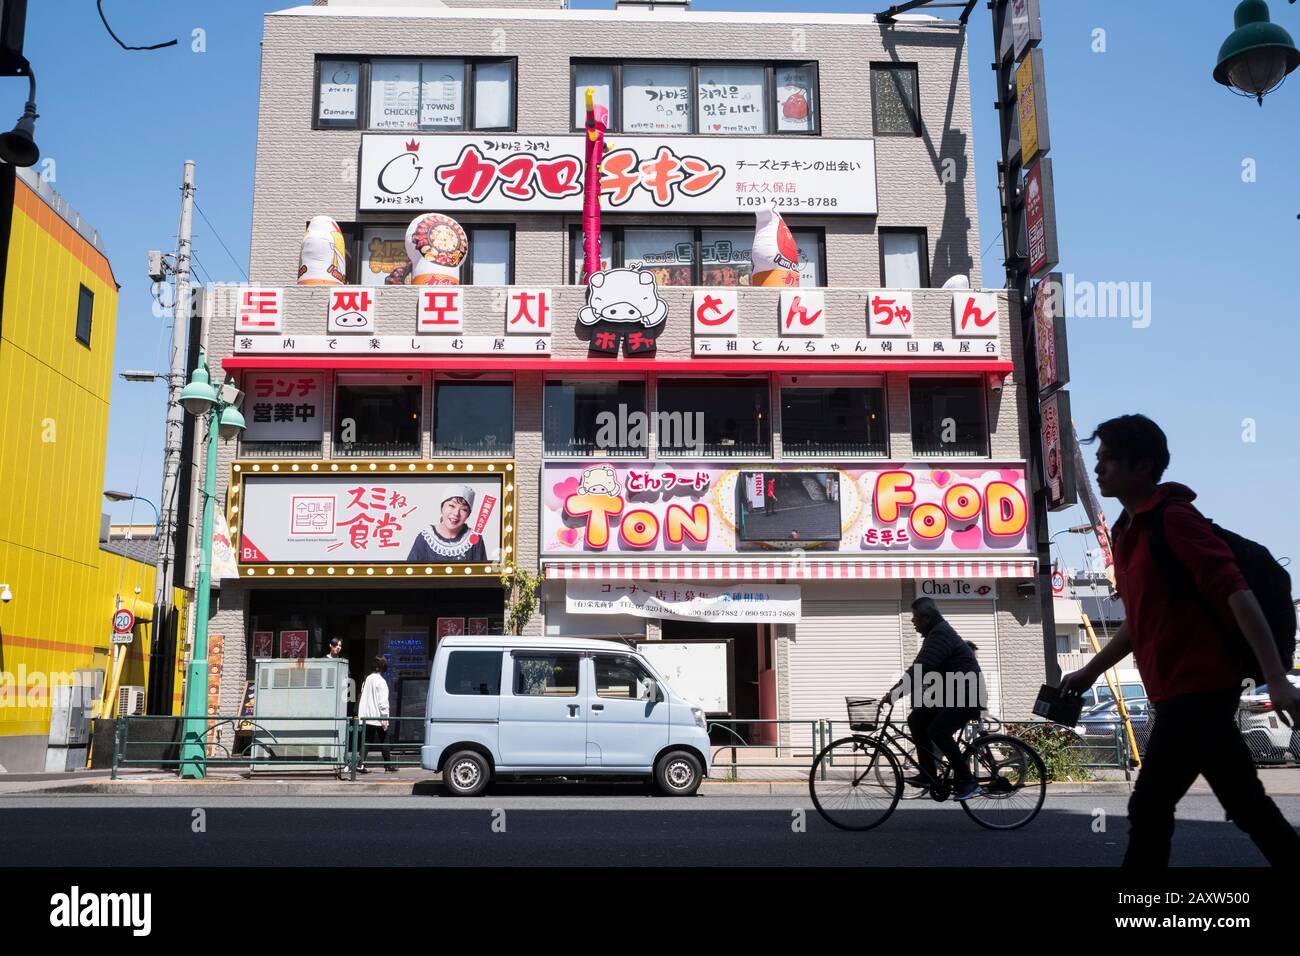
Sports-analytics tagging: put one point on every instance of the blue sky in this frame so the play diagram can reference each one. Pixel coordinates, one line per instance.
(1148, 154)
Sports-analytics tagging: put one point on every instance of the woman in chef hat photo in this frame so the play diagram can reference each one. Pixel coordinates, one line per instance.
(450, 538)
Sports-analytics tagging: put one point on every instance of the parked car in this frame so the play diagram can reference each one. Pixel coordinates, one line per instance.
(1130, 685)
(1100, 720)
(1268, 737)
(557, 707)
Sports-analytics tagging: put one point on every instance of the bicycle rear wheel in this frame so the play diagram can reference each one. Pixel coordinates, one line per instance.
(855, 783)
(1012, 781)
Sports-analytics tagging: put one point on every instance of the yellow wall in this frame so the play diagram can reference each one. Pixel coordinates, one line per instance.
(54, 393)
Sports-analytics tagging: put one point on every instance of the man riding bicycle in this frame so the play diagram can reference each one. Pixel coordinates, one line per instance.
(948, 690)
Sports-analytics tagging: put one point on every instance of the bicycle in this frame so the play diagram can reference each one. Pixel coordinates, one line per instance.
(857, 781)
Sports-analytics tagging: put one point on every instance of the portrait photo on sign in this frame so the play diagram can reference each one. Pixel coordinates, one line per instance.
(372, 519)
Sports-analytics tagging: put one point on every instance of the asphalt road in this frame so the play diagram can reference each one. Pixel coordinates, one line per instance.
(572, 827)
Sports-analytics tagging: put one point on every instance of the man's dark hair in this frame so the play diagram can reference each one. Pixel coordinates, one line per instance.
(335, 640)
(926, 608)
(1132, 439)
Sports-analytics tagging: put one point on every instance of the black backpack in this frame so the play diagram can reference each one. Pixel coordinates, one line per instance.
(1269, 581)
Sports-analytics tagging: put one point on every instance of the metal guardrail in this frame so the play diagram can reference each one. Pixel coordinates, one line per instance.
(265, 743)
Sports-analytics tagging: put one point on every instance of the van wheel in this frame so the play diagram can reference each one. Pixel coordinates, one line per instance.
(678, 774)
(466, 774)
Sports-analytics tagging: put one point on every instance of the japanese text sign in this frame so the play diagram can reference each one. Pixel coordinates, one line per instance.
(511, 173)
(283, 406)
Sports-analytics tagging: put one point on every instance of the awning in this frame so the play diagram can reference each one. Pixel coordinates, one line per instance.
(614, 366)
(785, 569)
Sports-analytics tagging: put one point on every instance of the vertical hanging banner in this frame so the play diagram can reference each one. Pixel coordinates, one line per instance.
(1040, 217)
(1026, 26)
(1096, 517)
(1031, 108)
(1049, 334)
(1058, 451)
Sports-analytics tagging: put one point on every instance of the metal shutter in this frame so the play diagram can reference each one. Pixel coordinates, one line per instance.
(978, 621)
(842, 649)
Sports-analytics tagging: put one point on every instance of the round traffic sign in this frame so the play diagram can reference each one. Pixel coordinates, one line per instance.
(1058, 582)
(123, 621)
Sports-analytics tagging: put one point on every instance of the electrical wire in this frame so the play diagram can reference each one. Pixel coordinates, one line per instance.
(220, 240)
(99, 4)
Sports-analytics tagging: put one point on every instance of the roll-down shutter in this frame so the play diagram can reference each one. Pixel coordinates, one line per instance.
(842, 649)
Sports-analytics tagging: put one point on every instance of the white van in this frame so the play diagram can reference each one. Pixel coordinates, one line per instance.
(1130, 685)
(505, 706)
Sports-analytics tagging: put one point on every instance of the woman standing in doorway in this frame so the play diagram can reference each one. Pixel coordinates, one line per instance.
(373, 711)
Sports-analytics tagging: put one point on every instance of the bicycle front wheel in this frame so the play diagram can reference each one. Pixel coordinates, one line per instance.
(1012, 781)
(855, 783)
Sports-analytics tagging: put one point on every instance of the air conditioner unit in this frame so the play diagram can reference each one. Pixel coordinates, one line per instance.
(130, 700)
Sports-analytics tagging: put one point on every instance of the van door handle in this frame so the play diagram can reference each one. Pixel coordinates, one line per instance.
(597, 706)
(573, 710)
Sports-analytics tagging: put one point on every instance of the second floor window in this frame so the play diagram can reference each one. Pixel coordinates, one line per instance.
(473, 418)
(427, 94)
(904, 259)
(832, 418)
(377, 417)
(85, 312)
(712, 99)
(894, 99)
(383, 259)
(714, 418)
(948, 418)
(600, 417)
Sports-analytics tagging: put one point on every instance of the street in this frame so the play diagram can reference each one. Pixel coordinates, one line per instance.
(578, 826)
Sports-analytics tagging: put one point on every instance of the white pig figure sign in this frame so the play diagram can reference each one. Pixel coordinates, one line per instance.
(623, 305)
(623, 295)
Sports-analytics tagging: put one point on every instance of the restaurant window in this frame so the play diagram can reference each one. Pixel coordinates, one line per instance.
(713, 99)
(948, 417)
(594, 417)
(382, 258)
(338, 84)
(833, 418)
(720, 257)
(714, 418)
(473, 418)
(904, 259)
(895, 100)
(415, 95)
(85, 313)
(377, 417)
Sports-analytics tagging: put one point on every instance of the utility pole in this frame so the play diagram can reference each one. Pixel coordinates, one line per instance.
(165, 566)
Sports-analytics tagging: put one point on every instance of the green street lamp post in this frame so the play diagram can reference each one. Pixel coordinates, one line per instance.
(1258, 54)
(199, 398)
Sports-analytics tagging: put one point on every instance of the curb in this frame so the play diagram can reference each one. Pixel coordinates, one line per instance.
(430, 787)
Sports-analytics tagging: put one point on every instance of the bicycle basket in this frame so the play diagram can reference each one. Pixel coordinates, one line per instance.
(862, 712)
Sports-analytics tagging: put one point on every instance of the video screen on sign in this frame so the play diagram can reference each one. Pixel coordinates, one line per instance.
(788, 506)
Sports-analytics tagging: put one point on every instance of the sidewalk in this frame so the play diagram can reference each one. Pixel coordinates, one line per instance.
(408, 781)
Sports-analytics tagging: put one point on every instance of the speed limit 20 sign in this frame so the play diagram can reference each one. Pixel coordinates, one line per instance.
(123, 624)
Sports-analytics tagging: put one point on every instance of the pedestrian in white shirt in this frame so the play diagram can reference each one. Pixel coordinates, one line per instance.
(373, 712)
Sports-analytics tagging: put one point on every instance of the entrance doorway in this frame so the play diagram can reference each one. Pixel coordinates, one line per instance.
(746, 663)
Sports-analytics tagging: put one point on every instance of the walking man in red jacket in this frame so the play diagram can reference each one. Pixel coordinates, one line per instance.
(1191, 675)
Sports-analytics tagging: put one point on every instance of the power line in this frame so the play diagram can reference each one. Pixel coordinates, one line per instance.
(220, 240)
(157, 46)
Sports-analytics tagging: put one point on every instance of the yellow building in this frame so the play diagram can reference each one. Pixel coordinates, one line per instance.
(58, 317)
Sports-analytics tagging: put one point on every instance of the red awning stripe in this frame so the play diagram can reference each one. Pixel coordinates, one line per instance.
(788, 569)
(489, 363)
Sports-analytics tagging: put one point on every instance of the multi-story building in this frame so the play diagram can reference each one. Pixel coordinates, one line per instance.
(62, 582)
(815, 456)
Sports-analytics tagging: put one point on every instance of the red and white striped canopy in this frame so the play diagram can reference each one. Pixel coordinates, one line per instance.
(785, 569)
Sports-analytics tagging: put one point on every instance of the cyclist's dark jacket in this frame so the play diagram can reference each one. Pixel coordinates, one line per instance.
(943, 652)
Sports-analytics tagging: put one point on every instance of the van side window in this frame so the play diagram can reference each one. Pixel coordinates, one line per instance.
(546, 675)
(474, 673)
(622, 678)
